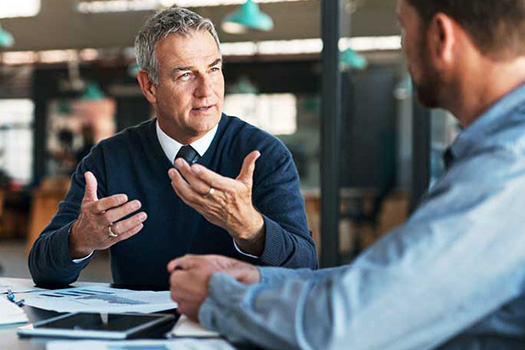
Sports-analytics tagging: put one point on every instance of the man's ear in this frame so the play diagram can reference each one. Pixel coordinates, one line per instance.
(442, 38)
(149, 90)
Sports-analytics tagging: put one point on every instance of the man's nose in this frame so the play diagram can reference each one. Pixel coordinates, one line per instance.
(204, 87)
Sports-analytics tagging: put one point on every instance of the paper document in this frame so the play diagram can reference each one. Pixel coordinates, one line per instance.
(17, 285)
(10, 313)
(101, 299)
(175, 344)
(187, 328)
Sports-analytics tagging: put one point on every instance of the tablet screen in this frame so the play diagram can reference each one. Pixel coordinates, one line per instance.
(95, 325)
(100, 322)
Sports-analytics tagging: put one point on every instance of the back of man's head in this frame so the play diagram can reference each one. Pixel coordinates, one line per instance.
(497, 27)
(173, 20)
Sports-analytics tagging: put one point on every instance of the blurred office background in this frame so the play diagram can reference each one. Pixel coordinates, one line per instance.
(67, 81)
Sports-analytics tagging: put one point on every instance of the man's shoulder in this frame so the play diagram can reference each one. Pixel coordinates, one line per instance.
(246, 135)
(132, 133)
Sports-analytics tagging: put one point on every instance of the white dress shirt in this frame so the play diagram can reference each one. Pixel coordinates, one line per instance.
(172, 147)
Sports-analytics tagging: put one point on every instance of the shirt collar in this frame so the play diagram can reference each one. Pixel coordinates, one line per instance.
(172, 147)
(483, 128)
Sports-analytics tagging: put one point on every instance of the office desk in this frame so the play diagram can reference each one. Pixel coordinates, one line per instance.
(10, 340)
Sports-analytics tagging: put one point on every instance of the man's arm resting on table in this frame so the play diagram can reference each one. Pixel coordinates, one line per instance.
(416, 288)
(50, 262)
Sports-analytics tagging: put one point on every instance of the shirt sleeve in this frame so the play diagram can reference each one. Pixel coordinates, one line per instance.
(455, 262)
(78, 261)
(239, 250)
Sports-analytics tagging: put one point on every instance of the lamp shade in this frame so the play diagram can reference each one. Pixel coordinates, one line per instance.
(92, 92)
(247, 17)
(352, 60)
(6, 39)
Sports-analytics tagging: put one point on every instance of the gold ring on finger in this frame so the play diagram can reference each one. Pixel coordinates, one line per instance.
(210, 192)
(111, 233)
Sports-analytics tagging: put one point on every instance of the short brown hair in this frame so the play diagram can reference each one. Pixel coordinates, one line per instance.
(497, 27)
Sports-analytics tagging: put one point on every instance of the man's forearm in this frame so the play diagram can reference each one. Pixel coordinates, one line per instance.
(50, 263)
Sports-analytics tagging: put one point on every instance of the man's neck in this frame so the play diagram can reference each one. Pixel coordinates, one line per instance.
(485, 85)
(180, 137)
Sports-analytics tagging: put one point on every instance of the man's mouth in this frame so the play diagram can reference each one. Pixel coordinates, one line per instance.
(203, 108)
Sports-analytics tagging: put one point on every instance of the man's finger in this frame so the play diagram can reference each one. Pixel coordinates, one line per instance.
(212, 179)
(248, 167)
(125, 225)
(119, 212)
(90, 194)
(183, 263)
(194, 181)
(131, 232)
(182, 188)
(107, 203)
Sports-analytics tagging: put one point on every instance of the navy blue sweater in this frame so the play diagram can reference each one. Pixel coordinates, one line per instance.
(133, 162)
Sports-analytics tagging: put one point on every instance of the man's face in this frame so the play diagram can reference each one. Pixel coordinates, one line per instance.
(190, 92)
(425, 77)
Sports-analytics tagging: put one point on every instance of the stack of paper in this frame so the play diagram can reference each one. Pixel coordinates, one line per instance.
(11, 313)
(187, 328)
(100, 299)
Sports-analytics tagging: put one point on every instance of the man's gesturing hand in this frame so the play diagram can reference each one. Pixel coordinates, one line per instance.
(190, 276)
(99, 218)
(224, 202)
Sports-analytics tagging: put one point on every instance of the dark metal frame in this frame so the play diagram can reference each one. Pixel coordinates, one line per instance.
(330, 133)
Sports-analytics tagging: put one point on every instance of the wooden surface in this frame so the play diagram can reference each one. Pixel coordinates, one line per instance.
(44, 206)
(394, 211)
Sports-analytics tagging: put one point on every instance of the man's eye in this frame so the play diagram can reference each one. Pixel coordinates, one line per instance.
(185, 76)
(215, 69)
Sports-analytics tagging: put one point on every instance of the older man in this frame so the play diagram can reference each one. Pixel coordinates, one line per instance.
(127, 196)
(453, 276)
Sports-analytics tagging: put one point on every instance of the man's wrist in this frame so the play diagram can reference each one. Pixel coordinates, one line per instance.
(75, 249)
(255, 244)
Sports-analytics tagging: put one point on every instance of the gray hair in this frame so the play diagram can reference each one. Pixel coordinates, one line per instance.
(172, 20)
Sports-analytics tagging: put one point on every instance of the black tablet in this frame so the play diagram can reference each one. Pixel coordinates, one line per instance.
(95, 325)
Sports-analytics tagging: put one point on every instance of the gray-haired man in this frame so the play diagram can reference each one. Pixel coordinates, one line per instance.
(222, 204)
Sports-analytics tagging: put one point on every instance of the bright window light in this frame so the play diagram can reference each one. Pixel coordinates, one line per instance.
(309, 46)
(100, 6)
(16, 139)
(274, 113)
(19, 8)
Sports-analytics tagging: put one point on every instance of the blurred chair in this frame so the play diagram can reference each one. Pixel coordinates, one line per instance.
(2, 199)
(313, 212)
(45, 205)
(363, 212)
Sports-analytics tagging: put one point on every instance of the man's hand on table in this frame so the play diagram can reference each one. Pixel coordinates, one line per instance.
(190, 276)
(98, 225)
(224, 202)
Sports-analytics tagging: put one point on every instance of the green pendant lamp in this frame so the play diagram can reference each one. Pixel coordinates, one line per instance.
(352, 60)
(247, 17)
(92, 92)
(6, 39)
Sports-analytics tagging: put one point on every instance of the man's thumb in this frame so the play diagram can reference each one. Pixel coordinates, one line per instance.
(90, 195)
(248, 167)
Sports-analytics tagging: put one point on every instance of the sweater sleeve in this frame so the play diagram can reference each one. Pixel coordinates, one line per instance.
(278, 198)
(50, 262)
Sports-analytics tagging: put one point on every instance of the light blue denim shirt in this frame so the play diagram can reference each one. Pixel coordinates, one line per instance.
(452, 277)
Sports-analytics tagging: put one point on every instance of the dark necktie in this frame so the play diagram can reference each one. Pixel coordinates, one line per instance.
(189, 154)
